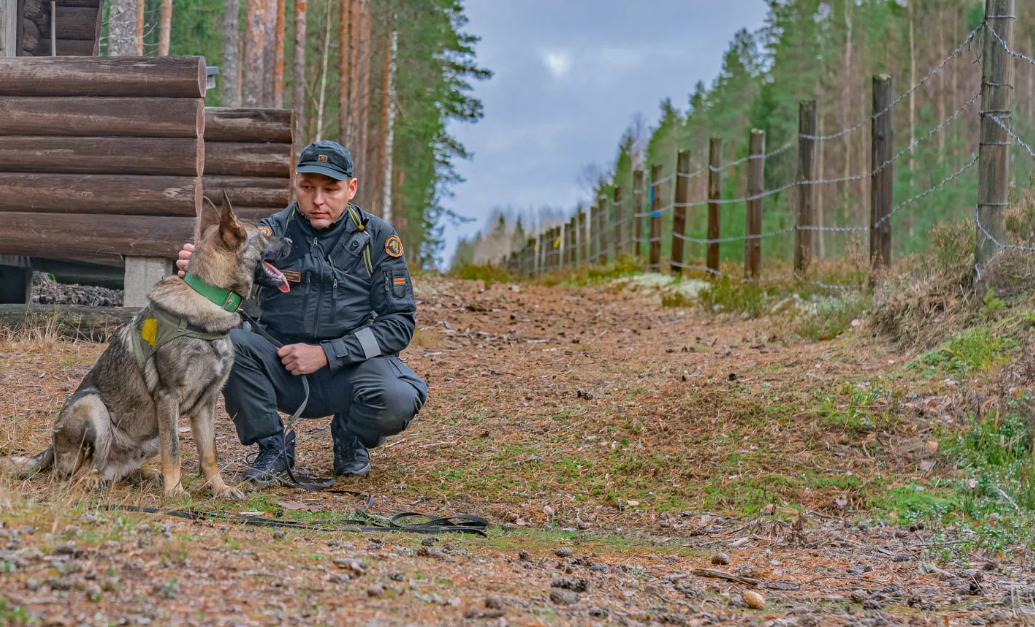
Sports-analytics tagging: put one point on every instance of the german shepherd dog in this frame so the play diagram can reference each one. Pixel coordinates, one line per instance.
(127, 407)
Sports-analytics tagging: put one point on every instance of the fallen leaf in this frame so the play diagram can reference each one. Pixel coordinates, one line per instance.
(292, 505)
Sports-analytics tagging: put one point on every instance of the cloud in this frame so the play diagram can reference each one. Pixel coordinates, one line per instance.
(557, 62)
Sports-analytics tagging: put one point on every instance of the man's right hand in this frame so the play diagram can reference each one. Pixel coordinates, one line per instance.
(182, 258)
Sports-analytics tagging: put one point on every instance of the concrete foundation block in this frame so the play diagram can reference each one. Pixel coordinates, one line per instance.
(15, 285)
(141, 275)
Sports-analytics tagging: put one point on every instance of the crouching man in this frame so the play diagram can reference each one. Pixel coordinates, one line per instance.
(348, 314)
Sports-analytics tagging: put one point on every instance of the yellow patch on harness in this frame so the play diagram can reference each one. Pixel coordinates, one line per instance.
(149, 331)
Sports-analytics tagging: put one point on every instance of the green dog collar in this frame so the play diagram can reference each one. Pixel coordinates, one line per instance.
(227, 300)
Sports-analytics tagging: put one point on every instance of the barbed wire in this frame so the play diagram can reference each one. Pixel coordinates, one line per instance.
(998, 244)
(938, 68)
(927, 191)
(767, 155)
(1012, 53)
(739, 238)
(1013, 135)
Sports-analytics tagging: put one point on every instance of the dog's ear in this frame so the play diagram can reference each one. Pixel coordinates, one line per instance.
(209, 215)
(230, 228)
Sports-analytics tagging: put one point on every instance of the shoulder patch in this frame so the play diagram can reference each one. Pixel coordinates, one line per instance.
(394, 246)
(266, 231)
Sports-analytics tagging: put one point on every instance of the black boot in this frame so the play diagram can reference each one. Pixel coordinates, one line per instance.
(350, 456)
(275, 455)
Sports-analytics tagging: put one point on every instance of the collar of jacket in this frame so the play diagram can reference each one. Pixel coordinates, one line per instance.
(225, 299)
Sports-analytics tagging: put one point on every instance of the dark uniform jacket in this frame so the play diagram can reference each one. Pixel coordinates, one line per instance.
(355, 306)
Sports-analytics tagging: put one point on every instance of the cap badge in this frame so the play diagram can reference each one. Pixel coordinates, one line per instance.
(323, 158)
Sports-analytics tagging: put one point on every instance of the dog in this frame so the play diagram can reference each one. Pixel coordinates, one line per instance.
(170, 361)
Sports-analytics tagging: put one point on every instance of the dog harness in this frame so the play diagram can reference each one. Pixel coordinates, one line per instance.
(156, 327)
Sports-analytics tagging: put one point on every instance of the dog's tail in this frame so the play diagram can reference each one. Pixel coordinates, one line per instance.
(28, 466)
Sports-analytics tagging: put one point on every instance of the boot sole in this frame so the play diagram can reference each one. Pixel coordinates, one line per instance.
(353, 474)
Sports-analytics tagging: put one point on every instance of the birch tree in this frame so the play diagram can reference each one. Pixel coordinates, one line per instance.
(231, 61)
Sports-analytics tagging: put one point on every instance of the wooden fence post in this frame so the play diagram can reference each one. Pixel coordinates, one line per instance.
(993, 167)
(583, 238)
(682, 199)
(619, 224)
(755, 187)
(882, 143)
(654, 262)
(714, 208)
(806, 192)
(573, 258)
(637, 214)
(603, 215)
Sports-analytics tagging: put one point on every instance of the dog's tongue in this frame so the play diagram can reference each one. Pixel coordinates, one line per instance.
(277, 277)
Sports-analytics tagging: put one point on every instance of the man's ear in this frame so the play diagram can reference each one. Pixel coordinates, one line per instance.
(209, 215)
(230, 228)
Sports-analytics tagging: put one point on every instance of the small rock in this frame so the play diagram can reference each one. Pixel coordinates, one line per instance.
(563, 597)
(597, 612)
(279, 535)
(872, 604)
(563, 552)
(495, 603)
(858, 596)
(438, 554)
(376, 590)
(429, 541)
(567, 583)
(395, 575)
(599, 567)
(673, 618)
(524, 556)
(754, 600)
(721, 559)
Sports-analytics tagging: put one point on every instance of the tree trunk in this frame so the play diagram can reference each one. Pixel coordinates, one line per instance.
(847, 79)
(298, 74)
(912, 81)
(230, 71)
(254, 52)
(269, 52)
(139, 39)
(322, 98)
(354, 75)
(278, 57)
(122, 25)
(345, 36)
(164, 28)
(360, 154)
(389, 129)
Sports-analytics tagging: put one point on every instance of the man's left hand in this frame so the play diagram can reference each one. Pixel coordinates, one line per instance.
(301, 359)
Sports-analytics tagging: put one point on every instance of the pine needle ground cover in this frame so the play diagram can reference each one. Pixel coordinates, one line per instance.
(616, 444)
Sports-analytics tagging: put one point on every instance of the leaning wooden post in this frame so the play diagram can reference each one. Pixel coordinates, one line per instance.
(755, 187)
(637, 214)
(618, 220)
(882, 143)
(654, 262)
(714, 207)
(993, 168)
(603, 216)
(806, 193)
(583, 238)
(679, 207)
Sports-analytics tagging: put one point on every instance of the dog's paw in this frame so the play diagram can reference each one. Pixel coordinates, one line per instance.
(228, 493)
(174, 492)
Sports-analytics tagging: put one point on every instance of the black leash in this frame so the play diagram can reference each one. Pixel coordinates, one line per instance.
(466, 524)
(291, 481)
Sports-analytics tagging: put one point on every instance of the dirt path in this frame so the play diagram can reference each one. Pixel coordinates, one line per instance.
(617, 446)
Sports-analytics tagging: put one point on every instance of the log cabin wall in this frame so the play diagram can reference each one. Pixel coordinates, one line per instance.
(77, 26)
(100, 156)
(249, 153)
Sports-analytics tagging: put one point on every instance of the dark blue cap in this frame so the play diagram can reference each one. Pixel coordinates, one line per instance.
(327, 158)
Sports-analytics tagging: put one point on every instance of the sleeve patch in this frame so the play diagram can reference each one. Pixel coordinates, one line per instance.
(266, 231)
(394, 246)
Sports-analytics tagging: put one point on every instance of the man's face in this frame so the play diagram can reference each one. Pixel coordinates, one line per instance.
(323, 199)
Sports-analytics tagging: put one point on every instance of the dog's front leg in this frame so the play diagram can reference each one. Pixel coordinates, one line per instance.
(168, 413)
(203, 428)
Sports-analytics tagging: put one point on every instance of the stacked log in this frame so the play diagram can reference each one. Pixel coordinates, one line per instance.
(77, 27)
(100, 156)
(249, 154)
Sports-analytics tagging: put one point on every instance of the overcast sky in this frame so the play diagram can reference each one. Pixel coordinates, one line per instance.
(569, 77)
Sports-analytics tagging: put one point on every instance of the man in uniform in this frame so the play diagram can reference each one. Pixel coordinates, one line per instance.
(348, 314)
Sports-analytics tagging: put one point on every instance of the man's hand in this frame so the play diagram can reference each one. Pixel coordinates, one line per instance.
(182, 258)
(301, 359)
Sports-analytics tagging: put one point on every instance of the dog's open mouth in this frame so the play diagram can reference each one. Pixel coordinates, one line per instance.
(275, 277)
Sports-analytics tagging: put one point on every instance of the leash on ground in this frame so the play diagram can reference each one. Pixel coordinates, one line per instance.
(461, 523)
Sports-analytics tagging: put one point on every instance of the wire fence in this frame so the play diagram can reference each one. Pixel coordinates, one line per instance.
(619, 238)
